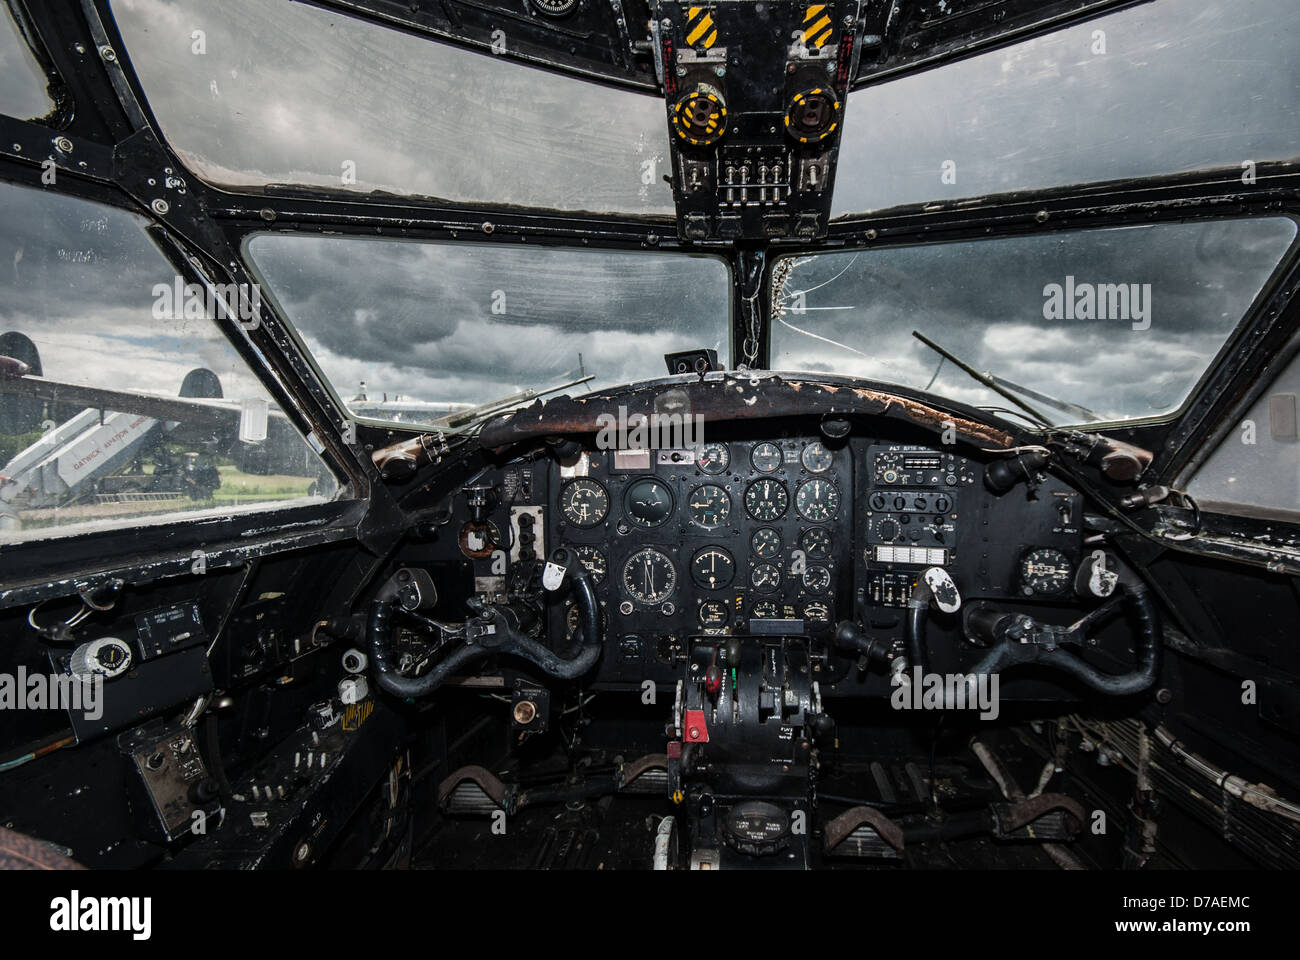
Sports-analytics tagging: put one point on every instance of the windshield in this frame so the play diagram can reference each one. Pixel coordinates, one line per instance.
(1119, 322)
(252, 93)
(412, 331)
(1163, 87)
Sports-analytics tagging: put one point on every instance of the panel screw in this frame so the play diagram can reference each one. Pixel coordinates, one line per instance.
(108, 53)
(63, 144)
(160, 207)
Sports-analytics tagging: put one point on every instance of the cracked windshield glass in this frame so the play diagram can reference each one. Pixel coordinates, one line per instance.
(1088, 326)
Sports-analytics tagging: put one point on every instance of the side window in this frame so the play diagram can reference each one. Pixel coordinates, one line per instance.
(1255, 470)
(121, 401)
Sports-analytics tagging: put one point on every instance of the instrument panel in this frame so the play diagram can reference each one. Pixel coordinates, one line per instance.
(731, 537)
(767, 536)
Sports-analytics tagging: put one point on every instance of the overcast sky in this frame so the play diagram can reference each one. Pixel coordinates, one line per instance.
(474, 322)
(984, 302)
(78, 278)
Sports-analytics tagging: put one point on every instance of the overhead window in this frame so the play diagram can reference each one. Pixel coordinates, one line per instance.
(1163, 87)
(413, 332)
(259, 92)
(121, 401)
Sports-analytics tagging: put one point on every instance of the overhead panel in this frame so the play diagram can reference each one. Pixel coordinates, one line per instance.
(755, 98)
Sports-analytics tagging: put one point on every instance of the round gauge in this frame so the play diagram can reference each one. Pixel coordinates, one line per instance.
(648, 502)
(817, 612)
(713, 613)
(767, 500)
(584, 502)
(593, 561)
(816, 543)
(765, 457)
(765, 577)
(765, 542)
(555, 8)
(649, 577)
(712, 568)
(817, 500)
(816, 458)
(709, 505)
(478, 540)
(1045, 572)
(816, 579)
(765, 610)
(714, 458)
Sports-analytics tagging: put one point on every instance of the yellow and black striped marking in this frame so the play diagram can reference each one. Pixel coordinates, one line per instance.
(817, 26)
(700, 28)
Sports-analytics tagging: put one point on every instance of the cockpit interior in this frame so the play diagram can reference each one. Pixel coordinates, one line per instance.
(650, 435)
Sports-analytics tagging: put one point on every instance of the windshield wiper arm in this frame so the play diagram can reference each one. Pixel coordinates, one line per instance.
(987, 379)
(464, 418)
(1082, 412)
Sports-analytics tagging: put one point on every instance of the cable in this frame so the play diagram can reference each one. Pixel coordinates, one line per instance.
(8, 765)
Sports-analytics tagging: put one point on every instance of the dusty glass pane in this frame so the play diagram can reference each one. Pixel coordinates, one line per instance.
(1256, 468)
(1122, 322)
(1182, 85)
(84, 440)
(23, 93)
(439, 326)
(288, 93)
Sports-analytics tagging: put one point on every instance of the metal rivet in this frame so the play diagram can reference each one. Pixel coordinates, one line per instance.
(488, 227)
(160, 207)
(108, 53)
(63, 144)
